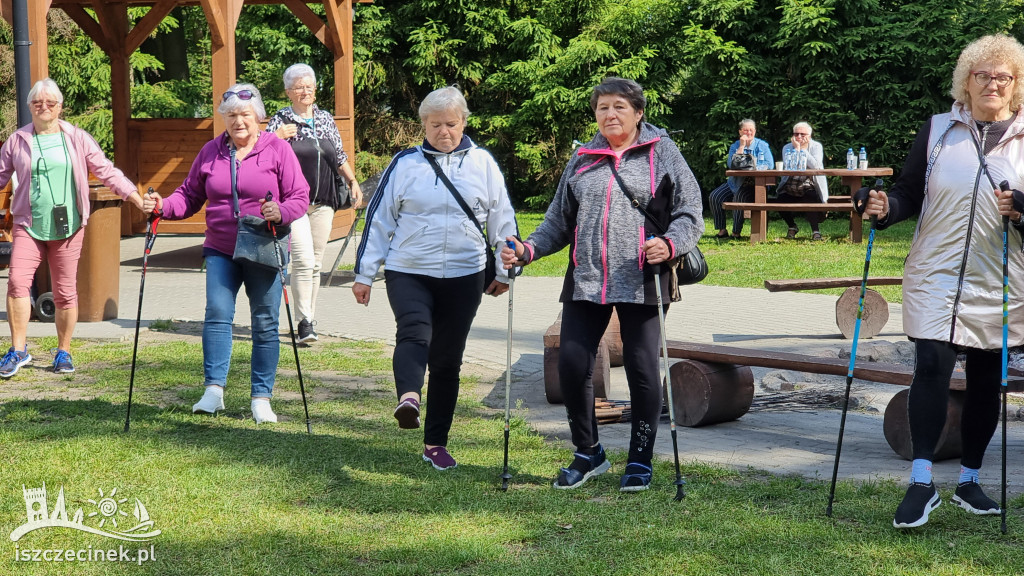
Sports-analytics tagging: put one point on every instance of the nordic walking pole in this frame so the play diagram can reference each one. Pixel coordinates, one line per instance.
(505, 476)
(348, 237)
(853, 357)
(288, 309)
(1005, 186)
(668, 385)
(154, 219)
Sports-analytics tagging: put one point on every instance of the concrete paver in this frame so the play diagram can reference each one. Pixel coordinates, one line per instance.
(781, 441)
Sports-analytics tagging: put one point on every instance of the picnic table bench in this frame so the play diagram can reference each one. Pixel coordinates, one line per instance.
(760, 207)
(876, 309)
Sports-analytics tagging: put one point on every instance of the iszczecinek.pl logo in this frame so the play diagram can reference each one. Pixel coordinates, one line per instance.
(105, 516)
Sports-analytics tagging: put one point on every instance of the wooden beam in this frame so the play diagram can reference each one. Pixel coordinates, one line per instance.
(39, 58)
(822, 283)
(88, 25)
(143, 28)
(222, 16)
(5, 12)
(311, 21)
(339, 22)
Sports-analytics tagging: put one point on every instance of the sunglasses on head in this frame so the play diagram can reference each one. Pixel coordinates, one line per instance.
(241, 94)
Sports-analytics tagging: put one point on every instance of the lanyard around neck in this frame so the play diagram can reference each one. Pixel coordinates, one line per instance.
(41, 169)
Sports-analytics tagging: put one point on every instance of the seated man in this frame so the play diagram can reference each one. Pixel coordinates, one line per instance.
(740, 189)
(803, 189)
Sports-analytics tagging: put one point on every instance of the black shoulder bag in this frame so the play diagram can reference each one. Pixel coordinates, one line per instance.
(489, 271)
(255, 244)
(690, 268)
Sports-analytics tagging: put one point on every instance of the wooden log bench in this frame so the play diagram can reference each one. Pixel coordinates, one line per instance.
(876, 309)
(856, 232)
(712, 383)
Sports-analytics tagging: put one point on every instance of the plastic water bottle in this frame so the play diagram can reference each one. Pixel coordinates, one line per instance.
(787, 160)
(803, 160)
(760, 159)
(862, 159)
(851, 159)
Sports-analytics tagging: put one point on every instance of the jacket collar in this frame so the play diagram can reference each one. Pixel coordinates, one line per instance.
(464, 144)
(649, 135)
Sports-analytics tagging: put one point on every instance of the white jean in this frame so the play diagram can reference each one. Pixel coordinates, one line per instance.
(309, 240)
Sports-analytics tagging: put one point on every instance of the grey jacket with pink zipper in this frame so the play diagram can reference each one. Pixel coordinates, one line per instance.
(605, 233)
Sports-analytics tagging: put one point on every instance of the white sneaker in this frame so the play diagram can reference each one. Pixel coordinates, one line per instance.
(261, 411)
(212, 400)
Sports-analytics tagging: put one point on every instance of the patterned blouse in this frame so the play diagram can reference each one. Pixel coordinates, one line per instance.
(323, 123)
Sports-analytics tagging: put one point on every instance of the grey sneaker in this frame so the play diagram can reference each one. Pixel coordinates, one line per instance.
(12, 361)
(306, 332)
(970, 497)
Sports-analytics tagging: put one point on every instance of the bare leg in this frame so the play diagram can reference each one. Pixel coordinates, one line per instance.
(18, 312)
(66, 319)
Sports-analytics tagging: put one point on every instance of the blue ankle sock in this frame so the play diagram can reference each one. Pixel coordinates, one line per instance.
(921, 471)
(968, 475)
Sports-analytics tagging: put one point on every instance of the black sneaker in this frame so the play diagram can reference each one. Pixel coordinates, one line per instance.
(583, 468)
(970, 497)
(306, 332)
(920, 500)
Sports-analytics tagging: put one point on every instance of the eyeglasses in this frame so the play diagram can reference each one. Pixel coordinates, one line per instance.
(47, 103)
(303, 89)
(800, 134)
(983, 78)
(241, 94)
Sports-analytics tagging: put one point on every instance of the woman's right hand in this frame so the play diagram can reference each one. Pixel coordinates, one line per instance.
(878, 204)
(745, 142)
(152, 202)
(286, 131)
(510, 257)
(362, 293)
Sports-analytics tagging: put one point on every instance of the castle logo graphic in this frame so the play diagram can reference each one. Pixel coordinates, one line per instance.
(106, 519)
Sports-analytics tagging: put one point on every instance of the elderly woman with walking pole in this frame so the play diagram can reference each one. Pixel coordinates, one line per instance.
(438, 210)
(52, 160)
(616, 193)
(952, 280)
(232, 176)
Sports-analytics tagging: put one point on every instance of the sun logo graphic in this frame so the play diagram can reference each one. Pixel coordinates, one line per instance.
(109, 516)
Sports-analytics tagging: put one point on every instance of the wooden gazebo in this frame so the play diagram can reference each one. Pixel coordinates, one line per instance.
(159, 152)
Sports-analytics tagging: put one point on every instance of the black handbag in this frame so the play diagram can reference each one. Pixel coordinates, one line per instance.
(343, 193)
(256, 244)
(490, 270)
(690, 268)
(743, 161)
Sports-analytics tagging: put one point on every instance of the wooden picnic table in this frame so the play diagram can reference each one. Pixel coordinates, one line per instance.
(759, 208)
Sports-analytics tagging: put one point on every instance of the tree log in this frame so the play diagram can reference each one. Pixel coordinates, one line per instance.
(705, 393)
(876, 312)
(896, 426)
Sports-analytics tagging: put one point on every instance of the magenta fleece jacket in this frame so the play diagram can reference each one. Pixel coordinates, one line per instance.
(271, 166)
(86, 156)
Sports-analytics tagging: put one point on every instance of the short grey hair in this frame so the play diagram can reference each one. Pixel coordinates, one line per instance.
(810, 131)
(746, 121)
(443, 100)
(235, 104)
(297, 72)
(47, 86)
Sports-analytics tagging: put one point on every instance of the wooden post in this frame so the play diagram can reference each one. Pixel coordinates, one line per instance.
(222, 16)
(38, 55)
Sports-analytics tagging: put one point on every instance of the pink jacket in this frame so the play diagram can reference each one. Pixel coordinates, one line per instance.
(86, 157)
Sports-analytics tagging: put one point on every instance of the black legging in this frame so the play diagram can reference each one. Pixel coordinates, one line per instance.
(434, 316)
(583, 325)
(929, 395)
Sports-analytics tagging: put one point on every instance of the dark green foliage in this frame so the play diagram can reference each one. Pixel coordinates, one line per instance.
(862, 72)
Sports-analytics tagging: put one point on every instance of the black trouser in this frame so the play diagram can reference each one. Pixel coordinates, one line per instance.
(433, 317)
(813, 218)
(583, 325)
(929, 394)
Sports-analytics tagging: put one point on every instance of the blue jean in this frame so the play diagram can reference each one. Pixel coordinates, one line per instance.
(263, 287)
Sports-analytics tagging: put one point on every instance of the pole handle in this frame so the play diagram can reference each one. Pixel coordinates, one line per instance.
(1005, 187)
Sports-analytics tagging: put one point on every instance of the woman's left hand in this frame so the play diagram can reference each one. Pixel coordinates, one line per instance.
(1008, 206)
(496, 288)
(357, 194)
(656, 250)
(271, 211)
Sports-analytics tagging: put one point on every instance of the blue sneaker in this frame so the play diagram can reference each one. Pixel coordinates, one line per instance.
(12, 361)
(583, 468)
(62, 362)
(636, 479)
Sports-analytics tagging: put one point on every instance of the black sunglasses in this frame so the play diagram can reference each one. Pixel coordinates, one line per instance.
(242, 95)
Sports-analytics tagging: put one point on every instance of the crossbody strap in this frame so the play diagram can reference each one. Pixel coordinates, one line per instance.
(234, 179)
(458, 197)
(633, 200)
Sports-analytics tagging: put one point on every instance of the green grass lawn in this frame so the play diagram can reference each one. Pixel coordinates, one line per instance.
(356, 499)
